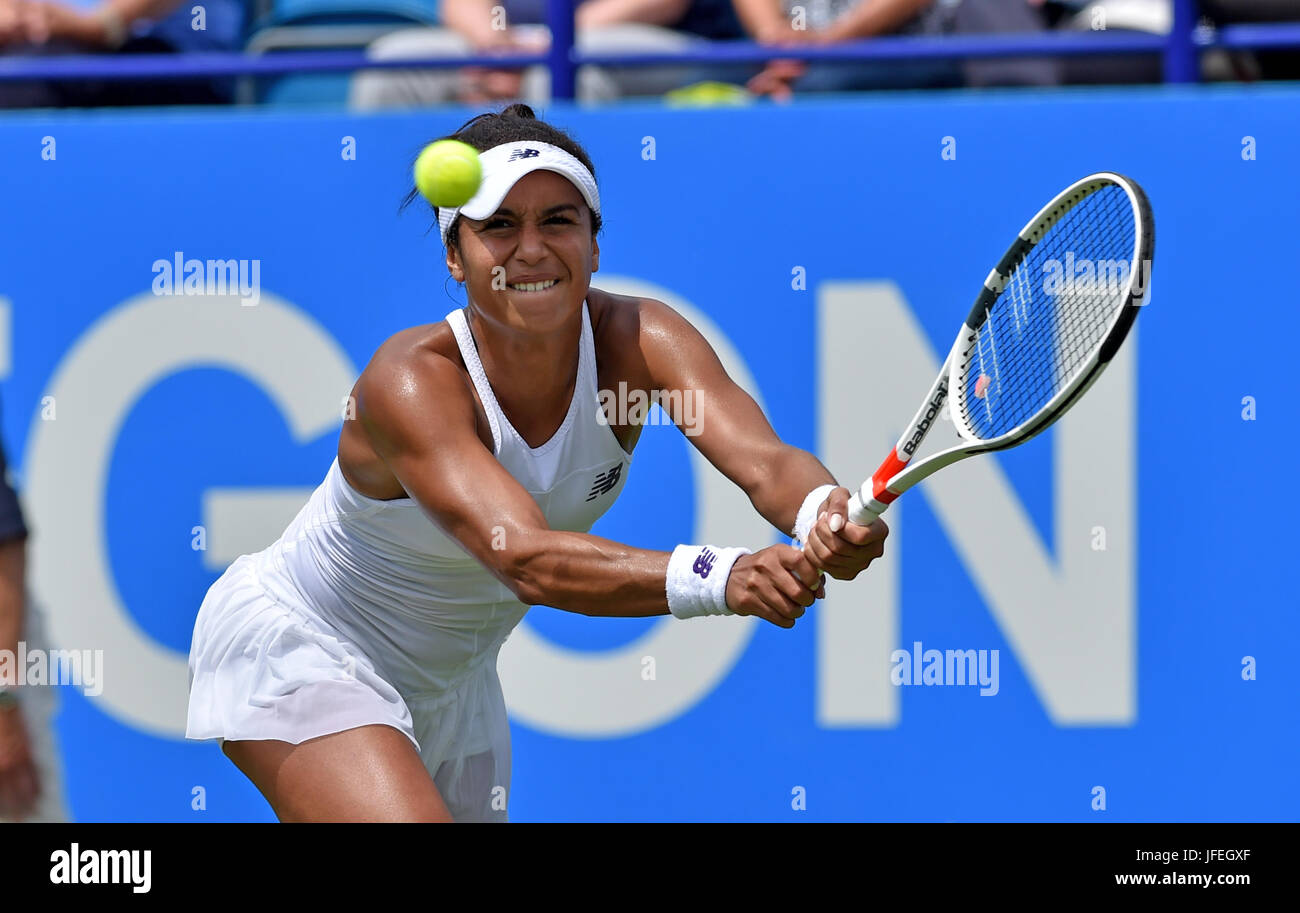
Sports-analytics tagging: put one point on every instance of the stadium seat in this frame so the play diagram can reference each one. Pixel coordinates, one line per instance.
(322, 24)
(285, 12)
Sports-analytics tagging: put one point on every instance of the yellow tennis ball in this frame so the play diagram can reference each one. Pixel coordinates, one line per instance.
(448, 173)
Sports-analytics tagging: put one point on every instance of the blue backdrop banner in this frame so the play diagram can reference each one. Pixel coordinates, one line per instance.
(1098, 626)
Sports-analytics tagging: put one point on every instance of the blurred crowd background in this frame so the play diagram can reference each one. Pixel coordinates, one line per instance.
(412, 29)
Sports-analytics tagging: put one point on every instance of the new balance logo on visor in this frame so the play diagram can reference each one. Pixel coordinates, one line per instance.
(523, 154)
(704, 563)
(605, 482)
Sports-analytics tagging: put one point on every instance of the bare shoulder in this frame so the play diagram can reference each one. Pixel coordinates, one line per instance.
(413, 394)
(629, 325)
(419, 366)
(650, 342)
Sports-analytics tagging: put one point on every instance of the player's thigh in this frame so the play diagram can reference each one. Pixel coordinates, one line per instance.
(371, 773)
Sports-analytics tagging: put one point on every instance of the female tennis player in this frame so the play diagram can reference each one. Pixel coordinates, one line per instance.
(349, 669)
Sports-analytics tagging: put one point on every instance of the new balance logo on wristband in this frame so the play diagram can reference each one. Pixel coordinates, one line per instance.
(704, 563)
(523, 154)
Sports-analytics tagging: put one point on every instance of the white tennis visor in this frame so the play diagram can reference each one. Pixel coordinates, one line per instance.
(504, 165)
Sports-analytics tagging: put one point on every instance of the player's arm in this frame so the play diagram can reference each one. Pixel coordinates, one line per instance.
(733, 434)
(417, 409)
(727, 426)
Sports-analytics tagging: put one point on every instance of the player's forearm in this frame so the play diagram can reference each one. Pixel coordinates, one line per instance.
(784, 484)
(875, 17)
(12, 566)
(586, 574)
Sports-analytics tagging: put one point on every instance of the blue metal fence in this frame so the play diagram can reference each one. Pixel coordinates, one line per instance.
(1180, 49)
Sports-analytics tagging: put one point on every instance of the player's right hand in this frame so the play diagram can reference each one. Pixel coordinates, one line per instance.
(840, 547)
(776, 583)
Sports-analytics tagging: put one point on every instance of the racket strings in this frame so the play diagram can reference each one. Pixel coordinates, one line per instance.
(1053, 313)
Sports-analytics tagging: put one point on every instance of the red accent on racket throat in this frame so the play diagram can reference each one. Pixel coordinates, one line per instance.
(880, 478)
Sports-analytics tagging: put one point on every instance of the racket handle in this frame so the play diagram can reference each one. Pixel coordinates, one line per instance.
(859, 513)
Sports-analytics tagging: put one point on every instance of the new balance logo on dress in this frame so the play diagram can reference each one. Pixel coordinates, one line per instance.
(704, 563)
(523, 154)
(605, 482)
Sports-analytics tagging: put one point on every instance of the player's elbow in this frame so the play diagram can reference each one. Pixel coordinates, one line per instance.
(527, 574)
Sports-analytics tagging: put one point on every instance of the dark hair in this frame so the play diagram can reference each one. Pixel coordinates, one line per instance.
(512, 124)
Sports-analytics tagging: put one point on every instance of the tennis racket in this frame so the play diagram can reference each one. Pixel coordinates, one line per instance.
(1050, 317)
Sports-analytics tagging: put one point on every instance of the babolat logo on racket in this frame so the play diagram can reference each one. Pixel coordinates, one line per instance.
(924, 424)
(523, 154)
(704, 563)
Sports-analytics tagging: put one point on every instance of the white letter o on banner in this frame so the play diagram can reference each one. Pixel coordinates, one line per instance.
(116, 361)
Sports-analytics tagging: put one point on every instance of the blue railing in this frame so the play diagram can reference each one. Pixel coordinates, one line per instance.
(1180, 50)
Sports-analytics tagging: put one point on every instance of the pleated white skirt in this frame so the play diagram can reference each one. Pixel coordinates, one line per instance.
(265, 666)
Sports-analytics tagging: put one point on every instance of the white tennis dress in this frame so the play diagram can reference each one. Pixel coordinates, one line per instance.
(365, 611)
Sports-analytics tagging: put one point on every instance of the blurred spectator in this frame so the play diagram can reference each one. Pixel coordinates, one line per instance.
(834, 21)
(31, 780)
(48, 28)
(1150, 17)
(1278, 64)
(1155, 17)
(785, 23)
(1003, 17)
(492, 26)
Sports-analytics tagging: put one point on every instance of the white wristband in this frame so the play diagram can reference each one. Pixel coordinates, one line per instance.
(697, 579)
(807, 515)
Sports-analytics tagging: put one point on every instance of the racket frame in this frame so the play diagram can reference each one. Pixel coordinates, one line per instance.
(897, 473)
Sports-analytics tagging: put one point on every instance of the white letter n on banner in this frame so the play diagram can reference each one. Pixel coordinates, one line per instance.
(1071, 622)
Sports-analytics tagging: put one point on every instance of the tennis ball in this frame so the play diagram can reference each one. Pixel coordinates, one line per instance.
(448, 173)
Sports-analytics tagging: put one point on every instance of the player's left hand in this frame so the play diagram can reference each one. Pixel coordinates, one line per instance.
(838, 547)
